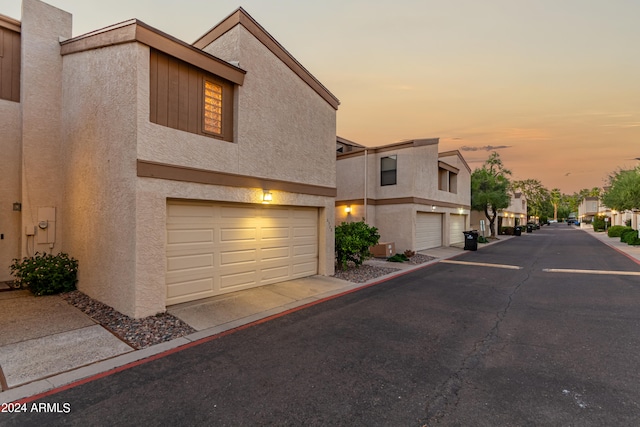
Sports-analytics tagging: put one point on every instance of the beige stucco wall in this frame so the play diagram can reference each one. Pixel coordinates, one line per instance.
(417, 177)
(462, 196)
(284, 129)
(100, 127)
(41, 99)
(10, 190)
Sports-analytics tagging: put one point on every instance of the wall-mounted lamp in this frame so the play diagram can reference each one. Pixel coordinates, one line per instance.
(266, 197)
(348, 209)
(433, 207)
(17, 206)
(460, 211)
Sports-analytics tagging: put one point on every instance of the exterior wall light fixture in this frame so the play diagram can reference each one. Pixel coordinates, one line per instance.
(348, 209)
(17, 206)
(266, 197)
(433, 207)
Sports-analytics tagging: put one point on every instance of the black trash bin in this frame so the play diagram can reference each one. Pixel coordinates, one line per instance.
(470, 240)
(517, 231)
(529, 228)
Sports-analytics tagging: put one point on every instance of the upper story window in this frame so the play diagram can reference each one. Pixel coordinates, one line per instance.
(9, 65)
(447, 180)
(388, 170)
(212, 121)
(190, 99)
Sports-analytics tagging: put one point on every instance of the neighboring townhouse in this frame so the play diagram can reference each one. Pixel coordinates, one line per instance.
(515, 214)
(171, 171)
(416, 197)
(588, 208)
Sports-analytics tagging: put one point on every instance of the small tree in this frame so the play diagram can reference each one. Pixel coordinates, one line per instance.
(353, 240)
(490, 189)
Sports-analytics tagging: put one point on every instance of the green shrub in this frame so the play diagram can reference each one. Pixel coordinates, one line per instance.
(598, 224)
(353, 240)
(629, 236)
(616, 230)
(46, 274)
(398, 258)
(482, 239)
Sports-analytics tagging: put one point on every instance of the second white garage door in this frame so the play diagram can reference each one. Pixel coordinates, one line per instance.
(428, 230)
(456, 227)
(215, 248)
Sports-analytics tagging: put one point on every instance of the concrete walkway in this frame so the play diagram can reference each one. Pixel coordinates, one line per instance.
(46, 343)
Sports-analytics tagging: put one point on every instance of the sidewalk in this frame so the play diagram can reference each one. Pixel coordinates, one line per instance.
(47, 343)
(632, 252)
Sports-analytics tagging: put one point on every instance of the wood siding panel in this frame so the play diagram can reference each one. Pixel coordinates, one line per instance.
(195, 99)
(173, 101)
(176, 96)
(9, 65)
(183, 97)
(163, 90)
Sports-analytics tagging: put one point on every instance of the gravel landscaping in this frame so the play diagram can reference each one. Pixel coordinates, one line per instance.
(367, 272)
(138, 333)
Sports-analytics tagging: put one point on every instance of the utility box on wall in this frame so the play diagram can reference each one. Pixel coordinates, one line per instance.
(46, 226)
(383, 250)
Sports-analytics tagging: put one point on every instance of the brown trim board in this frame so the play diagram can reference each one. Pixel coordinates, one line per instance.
(402, 201)
(148, 169)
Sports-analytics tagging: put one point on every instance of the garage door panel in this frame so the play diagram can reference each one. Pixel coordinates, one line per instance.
(190, 287)
(243, 278)
(275, 253)
(239, 212)
(230, 235)
(178, 263)
(303, 269)
(305, 214)
(304, 232)
(275, 273)
(276, 213)
(304, 250)
(272, 233)
(237, 257)
(227, 247)
(178, 213)
(190, 236)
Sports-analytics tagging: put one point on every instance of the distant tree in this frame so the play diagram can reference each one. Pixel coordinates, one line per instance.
(624, 190)
(538, 199)
(490, 189)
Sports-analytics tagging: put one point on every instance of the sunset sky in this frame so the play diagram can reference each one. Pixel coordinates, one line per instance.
(552, 85)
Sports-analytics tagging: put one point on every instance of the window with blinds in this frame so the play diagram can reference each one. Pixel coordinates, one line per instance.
(212, 108)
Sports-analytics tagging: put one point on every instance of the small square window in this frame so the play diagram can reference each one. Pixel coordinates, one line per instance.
(388, 170)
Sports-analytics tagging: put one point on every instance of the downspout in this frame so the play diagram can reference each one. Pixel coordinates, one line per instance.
(365, 185)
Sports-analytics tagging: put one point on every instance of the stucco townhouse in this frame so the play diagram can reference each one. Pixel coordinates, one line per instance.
(417, 197)
(513, 215)
(171, 171)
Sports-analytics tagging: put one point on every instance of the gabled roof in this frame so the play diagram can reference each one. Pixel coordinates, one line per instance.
(241, 17)
(137, 31)
(455, 153)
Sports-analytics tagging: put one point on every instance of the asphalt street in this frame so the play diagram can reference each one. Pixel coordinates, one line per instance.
(516, 334)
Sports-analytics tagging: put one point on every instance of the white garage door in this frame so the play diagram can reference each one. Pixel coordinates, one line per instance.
(215, 248)
(428, 230)
(456, 227)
